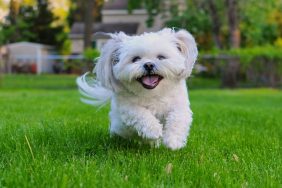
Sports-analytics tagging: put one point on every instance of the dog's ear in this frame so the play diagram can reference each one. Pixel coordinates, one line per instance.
(187, 46)
(109, 57)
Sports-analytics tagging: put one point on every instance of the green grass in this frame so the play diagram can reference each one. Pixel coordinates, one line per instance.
(235, 140)
(37, 82)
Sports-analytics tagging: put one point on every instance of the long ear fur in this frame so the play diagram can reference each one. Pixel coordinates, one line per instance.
(101, 90)
(188, 47)
(109, 57)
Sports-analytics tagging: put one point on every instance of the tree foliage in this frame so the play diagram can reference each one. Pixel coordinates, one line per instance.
(153, 8)
(88, 12)
(32, 23)
(222, 23)
(258, 24)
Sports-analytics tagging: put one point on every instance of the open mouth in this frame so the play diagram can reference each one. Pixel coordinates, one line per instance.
(150, 81)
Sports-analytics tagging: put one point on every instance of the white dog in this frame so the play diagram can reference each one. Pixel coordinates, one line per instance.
(144, 77)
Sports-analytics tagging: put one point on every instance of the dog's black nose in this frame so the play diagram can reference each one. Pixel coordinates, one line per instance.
(148, 66)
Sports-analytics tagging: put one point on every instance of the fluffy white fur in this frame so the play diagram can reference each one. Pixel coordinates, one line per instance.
(158, 115)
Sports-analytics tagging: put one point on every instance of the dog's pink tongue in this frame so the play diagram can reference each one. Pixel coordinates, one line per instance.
(150, 80)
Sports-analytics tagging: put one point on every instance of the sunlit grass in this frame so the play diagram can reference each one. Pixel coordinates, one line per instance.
(49, 139)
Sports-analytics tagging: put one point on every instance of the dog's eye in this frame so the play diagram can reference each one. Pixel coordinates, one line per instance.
(178, 47)
(161, 57)
(115, 58)
(136, 58)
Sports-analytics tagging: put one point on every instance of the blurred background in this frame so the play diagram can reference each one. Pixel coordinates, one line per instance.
(240, 42)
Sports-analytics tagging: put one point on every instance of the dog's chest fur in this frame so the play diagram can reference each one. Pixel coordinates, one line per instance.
(159, 106)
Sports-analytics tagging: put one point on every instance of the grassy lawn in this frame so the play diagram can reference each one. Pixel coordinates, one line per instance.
(48, 138)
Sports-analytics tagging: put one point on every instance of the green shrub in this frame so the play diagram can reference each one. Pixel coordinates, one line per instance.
(91, 54)
(258, 66)
(248, 55)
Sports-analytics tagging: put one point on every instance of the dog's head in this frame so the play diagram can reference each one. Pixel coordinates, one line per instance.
(146, 62)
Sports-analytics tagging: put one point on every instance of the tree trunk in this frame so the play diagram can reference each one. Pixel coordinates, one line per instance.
(88, 22)
(229, 73)
(215, 23)
(232, 11)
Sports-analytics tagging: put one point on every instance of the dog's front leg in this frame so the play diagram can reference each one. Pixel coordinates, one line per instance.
(143, 121)
(177, 128)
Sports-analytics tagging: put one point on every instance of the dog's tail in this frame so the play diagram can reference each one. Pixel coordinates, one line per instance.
(92, 91)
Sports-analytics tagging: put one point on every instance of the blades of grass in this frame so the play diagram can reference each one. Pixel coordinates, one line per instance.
(29, 146)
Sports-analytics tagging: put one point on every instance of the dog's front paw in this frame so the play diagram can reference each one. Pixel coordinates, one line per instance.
(173, 142)
(152, 132)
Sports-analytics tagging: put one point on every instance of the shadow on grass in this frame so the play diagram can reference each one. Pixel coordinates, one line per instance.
(106, 143)
(65, 144)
